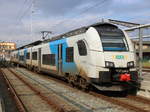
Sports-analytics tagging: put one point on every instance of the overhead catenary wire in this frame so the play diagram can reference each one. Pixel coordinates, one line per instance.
(26, 11)
(22, 10)
(63, 21)
(84, 11)
(19, 13)
(25, 8)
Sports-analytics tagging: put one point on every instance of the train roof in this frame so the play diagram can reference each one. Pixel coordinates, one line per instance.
(79, 31)
(68, 34)
(31, 44)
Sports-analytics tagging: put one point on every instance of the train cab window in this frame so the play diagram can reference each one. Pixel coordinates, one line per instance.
(48, 59)
(82, 48)
(115, 42)
(28, 56)
(69, 54)
(112, 38)
(34, 56)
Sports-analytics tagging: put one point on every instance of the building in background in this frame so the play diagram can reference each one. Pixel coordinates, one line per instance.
(5, 49)
(146, 49)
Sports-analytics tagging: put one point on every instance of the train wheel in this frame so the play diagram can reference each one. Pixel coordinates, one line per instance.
(76, 80)
(27, 67)
(70, 80)
(83, 84)
(34, 69)
(30, 68)
(38, 70)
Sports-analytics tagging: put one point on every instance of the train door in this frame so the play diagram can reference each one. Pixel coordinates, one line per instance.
(39, 58)
(82, 57)
(60, 59)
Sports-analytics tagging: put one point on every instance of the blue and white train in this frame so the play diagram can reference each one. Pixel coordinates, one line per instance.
(101, 55)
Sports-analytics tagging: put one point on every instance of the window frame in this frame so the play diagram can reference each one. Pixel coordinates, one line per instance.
(49, 59)
(124, 40)
(28, 55)
(113, 31)
(33, 55)
(80, 51)
(69, 54)
(21, 57)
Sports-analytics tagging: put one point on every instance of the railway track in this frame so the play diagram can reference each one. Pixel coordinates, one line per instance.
(51, 101)
(17, 100)
(146, 69)
(81, 100)
(125, 102)
(134, 103)
(122, 102)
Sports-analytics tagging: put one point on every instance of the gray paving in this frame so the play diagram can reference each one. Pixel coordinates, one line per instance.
(145, 85)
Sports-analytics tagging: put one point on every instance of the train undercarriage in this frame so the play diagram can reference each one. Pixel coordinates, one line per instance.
(109, 81)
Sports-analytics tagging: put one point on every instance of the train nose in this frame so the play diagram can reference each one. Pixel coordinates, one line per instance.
(125, 77)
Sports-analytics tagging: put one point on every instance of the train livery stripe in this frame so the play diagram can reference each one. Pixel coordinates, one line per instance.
(25, 54)
(54, 50)
(69, 67)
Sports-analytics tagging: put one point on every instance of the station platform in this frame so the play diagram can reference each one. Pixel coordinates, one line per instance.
(7, 103)
(145, 85)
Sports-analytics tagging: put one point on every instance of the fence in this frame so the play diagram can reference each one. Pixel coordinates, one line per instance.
(141, 33)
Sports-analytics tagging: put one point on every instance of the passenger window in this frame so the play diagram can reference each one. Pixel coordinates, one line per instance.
(21, 58)
(34, 56)
(69, 54)
(28, 56)
(48, 59)
(82, 48)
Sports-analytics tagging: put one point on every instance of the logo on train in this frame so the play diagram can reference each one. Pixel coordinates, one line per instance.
(119, 57)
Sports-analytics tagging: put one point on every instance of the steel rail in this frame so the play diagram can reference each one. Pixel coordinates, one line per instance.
(140, 99)
(106, 98)
(119, 102)
(146, 69)
(51, 100)
(21, 107)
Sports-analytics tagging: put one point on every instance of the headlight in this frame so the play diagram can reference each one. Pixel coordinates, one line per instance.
(130, 64)
(109, 64)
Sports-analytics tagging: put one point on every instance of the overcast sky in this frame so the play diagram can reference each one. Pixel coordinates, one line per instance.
(60, 16)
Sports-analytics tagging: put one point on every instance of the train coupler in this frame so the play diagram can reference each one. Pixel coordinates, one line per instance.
(125, 77)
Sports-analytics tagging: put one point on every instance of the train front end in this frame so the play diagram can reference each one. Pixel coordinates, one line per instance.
(114, 59)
